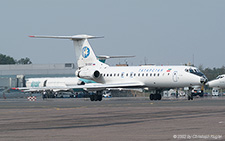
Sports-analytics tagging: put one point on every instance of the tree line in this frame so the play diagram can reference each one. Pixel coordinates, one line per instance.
(4, 59)
(212, 73)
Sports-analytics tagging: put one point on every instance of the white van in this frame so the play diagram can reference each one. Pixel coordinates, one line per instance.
(215, 92)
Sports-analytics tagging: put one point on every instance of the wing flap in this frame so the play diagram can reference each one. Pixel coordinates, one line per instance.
(99, 86)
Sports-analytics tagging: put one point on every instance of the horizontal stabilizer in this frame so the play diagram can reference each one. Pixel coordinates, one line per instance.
(102, 58)
(75, 37)
(108, 57)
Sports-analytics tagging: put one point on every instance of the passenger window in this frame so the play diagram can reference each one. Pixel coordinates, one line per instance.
(118, 74)
(154, 74)
(127, 74)
(110, 74)
(134, 74)
(114, 74)
(150, 74)
(139, 74)
(143, 74)
(107, 75)
(146, 74)
(158, 74)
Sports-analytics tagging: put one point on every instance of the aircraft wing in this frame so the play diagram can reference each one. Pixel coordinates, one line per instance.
(86, 87)
(39, 89)
(100, 86)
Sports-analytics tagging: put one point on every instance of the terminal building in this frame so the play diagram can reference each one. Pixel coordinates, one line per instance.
(14, 75)
(37, 69)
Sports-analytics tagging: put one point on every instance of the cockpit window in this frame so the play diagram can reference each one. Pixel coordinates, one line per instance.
(194, 71)
(220, 76)
(191, 71)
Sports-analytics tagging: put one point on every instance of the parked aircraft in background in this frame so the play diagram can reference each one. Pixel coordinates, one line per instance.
(152, 77)
(48, 85)
(217, 84)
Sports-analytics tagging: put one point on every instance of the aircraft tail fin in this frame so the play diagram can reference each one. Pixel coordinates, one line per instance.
(84, 53)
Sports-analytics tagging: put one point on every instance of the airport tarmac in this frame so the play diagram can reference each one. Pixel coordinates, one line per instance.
(112, 119)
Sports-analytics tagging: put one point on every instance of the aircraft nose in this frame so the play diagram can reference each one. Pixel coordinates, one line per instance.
(203, 80)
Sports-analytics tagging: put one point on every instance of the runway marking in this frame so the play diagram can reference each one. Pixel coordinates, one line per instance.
(222, 122)
(56, 108)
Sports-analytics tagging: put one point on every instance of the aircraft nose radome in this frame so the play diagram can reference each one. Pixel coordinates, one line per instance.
(203, 80)
(210, 84)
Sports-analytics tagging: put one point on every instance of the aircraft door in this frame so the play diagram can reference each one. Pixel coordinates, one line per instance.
(175, 79)
(45, 82)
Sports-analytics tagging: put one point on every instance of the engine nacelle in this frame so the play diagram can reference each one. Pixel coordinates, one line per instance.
(89, 74)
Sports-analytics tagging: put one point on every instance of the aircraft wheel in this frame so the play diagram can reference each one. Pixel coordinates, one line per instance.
(151, 97)
(92, 97)
(100, 97)
(155, 96)
(96, 97)
(191, 97)
(159, 97)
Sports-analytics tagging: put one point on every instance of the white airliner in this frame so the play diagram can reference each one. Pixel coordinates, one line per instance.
(49, 85)
(152, 77)
(217, 84)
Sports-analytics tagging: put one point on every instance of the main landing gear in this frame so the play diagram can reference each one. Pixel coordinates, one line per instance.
(96, 96)
(156, 96)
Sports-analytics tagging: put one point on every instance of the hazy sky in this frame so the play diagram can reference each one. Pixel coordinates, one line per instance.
(162, 31)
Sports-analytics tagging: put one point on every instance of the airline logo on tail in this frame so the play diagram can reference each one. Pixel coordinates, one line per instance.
(85, 52)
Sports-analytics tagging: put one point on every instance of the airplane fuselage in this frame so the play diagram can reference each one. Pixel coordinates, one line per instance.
(153, 76)
(48, 82)
(219, 82)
